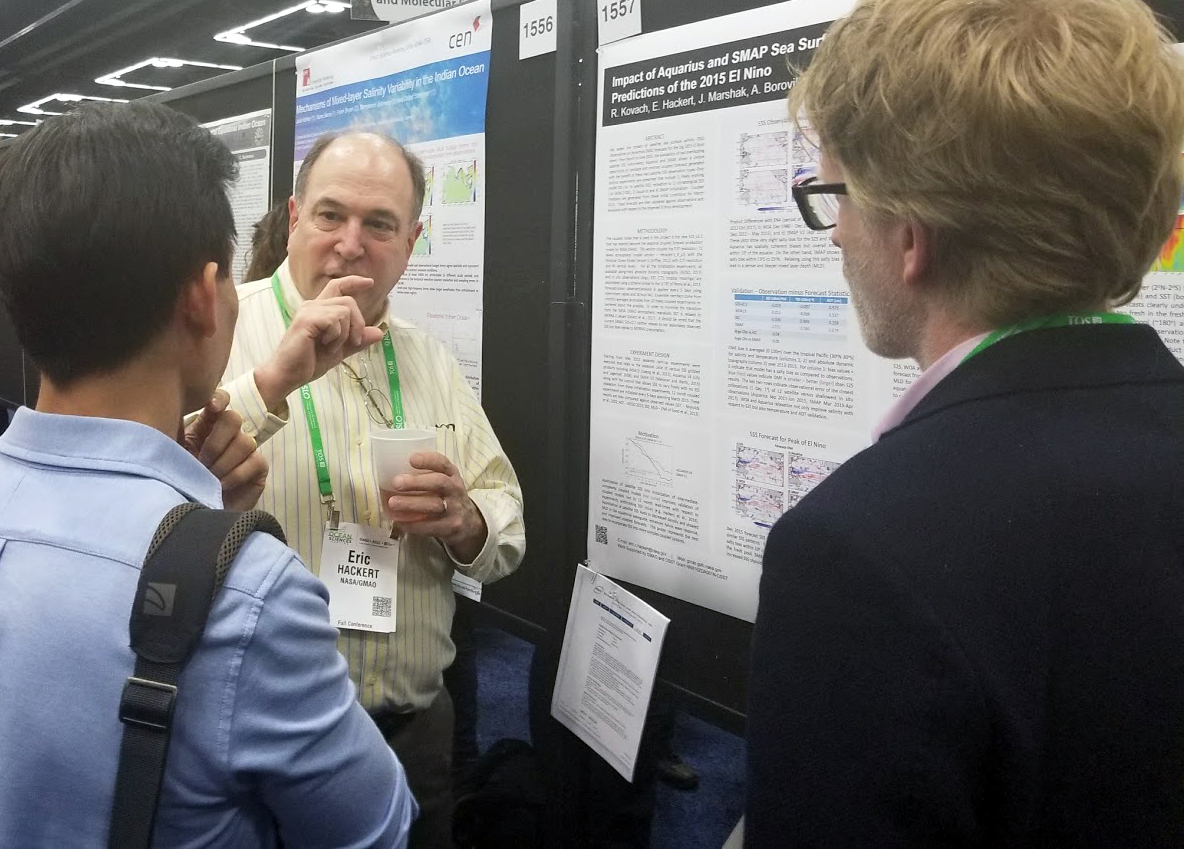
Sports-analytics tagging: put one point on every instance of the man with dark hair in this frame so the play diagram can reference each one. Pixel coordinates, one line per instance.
(318, 363)
(268, 741)
(972, 633)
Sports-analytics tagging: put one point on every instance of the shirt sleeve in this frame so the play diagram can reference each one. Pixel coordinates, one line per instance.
(300, 738)
(493, 486)
(866, 723)
(248, 403)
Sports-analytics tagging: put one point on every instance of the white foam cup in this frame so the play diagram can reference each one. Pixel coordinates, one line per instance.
(392, 450)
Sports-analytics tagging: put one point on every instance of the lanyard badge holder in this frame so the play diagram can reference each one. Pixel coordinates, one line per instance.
(359, 564)
(324, 485)
(1060, 320)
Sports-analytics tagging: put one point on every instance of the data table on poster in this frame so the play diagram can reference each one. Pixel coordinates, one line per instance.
(774, 319)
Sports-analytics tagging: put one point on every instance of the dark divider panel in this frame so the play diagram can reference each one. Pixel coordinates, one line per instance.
(519, 143)
(283, 128)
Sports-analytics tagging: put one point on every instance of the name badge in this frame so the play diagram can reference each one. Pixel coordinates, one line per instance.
(360, 566)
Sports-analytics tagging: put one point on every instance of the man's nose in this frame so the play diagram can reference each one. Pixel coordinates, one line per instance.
(349, 245)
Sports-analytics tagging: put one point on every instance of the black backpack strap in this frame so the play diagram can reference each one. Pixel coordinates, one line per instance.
(187, 561)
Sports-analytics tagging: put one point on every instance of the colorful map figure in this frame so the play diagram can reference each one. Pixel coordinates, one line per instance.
(460, 183)
(423, 245)
(1171, 258)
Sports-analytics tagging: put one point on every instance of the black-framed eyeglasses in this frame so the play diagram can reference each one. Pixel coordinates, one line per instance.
(818, 202)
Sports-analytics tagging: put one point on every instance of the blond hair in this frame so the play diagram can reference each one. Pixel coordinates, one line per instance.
(1039, 140)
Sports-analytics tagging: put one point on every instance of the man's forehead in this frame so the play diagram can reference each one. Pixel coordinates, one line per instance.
(365, 167)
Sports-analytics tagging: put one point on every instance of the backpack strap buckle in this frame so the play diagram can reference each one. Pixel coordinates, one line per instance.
(147, 704)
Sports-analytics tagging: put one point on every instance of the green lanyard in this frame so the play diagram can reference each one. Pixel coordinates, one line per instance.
(310, 411)
(1062, 320)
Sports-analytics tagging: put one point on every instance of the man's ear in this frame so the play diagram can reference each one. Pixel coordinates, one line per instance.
(415, 231)
(197, 307)
(918, 248)
(293, 214)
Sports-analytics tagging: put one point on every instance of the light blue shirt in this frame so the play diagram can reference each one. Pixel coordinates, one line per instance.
(268, 736)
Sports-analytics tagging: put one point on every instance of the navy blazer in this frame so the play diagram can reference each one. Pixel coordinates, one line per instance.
(972, 633)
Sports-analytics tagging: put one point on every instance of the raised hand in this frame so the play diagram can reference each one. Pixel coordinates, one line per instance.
(324, 331)
(215, 437)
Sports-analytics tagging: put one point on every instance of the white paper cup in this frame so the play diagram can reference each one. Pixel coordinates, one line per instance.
(392, 450)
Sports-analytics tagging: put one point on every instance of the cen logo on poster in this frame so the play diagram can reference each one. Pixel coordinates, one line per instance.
(464, 38)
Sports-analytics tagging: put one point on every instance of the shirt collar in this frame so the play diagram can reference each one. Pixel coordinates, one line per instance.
(921, 387)
(109, 445)
(293, 299)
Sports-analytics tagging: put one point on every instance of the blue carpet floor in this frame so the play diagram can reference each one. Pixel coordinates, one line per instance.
(701, 819)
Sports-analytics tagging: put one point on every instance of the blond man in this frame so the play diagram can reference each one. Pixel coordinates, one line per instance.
(973, 632)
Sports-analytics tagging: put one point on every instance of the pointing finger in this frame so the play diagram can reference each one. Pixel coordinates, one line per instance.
(345, 286)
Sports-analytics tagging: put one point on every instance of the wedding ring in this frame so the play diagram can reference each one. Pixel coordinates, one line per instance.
(443, 506)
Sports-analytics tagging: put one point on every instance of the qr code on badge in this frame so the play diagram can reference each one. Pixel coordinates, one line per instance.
(382, 606)
(602, 534)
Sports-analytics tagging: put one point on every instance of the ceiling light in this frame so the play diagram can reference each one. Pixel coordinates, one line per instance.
(244, 39)
(34, 108)
(113, 78)
(7, 135)
(239, 34)
(5, 122)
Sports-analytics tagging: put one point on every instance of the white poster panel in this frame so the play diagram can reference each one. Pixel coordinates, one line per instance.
(249, 139)
(728, 373)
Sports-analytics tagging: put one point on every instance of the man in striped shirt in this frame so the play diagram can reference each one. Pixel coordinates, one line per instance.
(318, 362)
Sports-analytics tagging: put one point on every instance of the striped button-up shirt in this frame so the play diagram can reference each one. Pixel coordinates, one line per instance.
(402, 670)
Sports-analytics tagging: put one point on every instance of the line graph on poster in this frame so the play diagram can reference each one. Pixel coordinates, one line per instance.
(651, 460)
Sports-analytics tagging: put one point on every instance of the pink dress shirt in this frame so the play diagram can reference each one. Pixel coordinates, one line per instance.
(920, 388)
